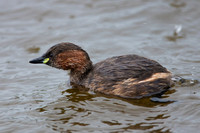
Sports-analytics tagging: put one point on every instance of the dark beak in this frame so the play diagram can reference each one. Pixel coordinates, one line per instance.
(39, 60)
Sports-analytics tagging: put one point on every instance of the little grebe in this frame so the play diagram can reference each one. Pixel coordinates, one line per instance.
(127, 76)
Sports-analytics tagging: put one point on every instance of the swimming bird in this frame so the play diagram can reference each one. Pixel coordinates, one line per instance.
(126, 76)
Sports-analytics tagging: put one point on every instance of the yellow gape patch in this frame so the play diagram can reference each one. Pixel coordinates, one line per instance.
(46, 60)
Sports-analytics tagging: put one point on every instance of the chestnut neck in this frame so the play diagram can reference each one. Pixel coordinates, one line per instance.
(75, 60)
(77, 75)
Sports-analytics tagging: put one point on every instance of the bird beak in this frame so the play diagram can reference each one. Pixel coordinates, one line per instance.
(40, 60)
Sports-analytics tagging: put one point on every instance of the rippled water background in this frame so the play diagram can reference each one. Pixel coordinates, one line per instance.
(37, 98)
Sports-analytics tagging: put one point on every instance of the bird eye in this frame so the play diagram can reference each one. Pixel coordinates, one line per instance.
(50, 55)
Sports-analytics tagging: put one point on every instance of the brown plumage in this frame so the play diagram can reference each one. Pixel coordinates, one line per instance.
(128, 76)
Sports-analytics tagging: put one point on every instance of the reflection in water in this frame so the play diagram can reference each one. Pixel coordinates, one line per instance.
(33, 49)
(177, 3)
(76, 95)
(79, 110)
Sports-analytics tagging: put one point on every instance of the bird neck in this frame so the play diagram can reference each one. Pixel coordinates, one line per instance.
(77, 75)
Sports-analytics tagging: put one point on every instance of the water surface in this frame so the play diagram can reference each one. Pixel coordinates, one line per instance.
(37, 98)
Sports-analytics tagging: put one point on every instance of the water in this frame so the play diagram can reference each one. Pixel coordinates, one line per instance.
(40, 99)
